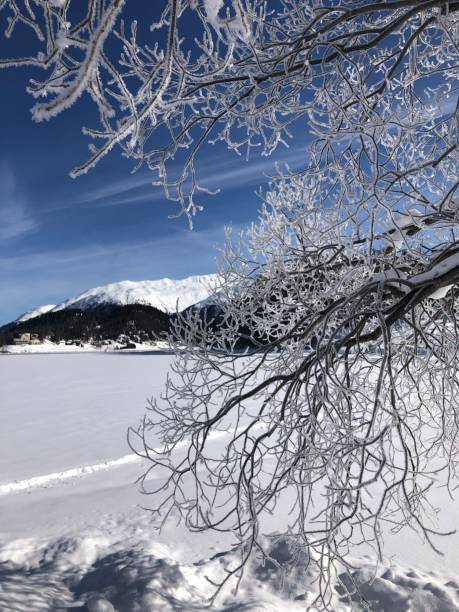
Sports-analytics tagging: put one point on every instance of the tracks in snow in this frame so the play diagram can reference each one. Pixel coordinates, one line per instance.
(55, 478)
(47, 480)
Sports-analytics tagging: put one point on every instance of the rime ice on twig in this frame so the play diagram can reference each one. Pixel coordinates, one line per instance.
(376, 81)
(331, 361)
(344, 293)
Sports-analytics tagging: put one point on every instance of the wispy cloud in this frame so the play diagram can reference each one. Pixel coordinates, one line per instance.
(124, 185)
(15, 218)
(223, 172)
(174, 247)
(245, 174)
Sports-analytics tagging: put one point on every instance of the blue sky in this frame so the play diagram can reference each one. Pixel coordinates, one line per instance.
(60, 236)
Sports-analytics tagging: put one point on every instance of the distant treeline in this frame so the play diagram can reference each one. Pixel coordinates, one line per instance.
(135, 321)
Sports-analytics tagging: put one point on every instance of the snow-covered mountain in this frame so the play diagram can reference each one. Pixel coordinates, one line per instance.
(137, 311)
(165, 294)
(36, 312)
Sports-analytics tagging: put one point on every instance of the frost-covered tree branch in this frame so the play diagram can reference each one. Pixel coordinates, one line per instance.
(376, 82)
(330, 364)
(330, 358)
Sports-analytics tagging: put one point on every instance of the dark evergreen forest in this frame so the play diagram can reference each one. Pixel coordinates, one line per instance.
(137, 322)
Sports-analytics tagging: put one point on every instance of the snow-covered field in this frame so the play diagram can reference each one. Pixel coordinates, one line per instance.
(72, 534)
(51, 347)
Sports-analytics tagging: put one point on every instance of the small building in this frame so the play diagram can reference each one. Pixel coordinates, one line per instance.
(26, 338)
(74, 342)
(128, 345)
(100, 343)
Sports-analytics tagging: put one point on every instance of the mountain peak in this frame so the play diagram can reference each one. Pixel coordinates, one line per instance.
(165, 294)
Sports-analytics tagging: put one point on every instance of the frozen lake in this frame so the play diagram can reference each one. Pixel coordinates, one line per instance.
(62, 411)
(68, 507)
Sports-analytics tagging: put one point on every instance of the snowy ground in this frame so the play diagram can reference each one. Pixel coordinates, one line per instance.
(51, 347)
(72, 534)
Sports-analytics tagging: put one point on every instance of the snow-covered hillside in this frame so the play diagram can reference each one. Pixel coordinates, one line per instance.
(163, 294)
(36, 312)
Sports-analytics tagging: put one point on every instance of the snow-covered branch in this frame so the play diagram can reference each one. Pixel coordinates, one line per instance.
(331, 351)
(332, 362)
(377, 82)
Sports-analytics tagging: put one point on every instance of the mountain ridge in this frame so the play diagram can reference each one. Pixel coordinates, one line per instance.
(127, 311)
(35, 312)
(165, 294)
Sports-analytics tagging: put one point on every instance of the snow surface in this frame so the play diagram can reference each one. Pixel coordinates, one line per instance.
(51, 347)
(72, 534)
(165, 294)
(36, 312)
